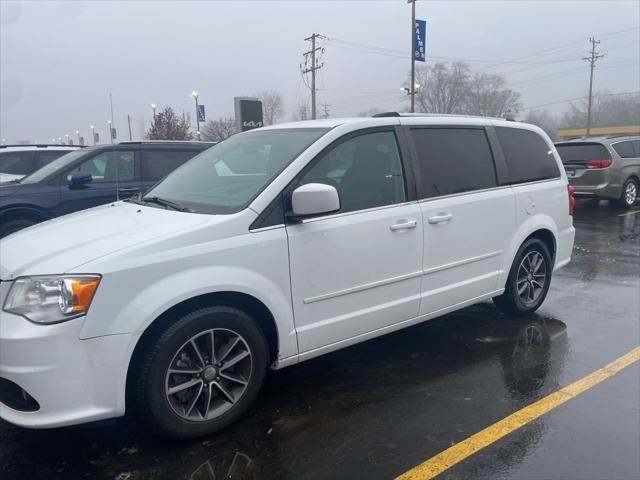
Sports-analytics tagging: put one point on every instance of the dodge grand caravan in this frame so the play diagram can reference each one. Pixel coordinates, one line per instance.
(276, 246)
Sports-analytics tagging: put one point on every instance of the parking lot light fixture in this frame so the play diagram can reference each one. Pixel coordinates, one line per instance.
(153, 107)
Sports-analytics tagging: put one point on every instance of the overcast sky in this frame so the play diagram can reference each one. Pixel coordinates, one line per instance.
(60, 60)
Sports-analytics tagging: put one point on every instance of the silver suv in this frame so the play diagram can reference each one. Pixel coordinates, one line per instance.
(603, 167)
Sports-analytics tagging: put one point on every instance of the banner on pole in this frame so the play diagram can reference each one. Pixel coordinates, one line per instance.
(420, 41)
(201, 113)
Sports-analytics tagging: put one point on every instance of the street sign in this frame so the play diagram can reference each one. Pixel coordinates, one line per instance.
(201, 113)
(420, 41)
(114, 134)
(248, 113)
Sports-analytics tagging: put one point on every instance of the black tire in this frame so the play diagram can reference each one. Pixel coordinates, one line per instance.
(629, 198)
(152, 401)
(12, 226)
(511, 301)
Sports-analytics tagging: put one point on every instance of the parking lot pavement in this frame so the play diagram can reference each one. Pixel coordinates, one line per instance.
(378, 409)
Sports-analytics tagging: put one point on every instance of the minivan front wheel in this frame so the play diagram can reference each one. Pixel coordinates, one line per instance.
(629, 193)
(202, 373)
(528, 280)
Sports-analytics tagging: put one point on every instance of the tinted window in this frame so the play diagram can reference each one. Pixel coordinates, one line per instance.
(366, 170)
(46, 157)
(107, 166)
(625, 149)
(16, 163)
(453, 160)
(528, 156)
(636, 147)
(582, 152)
(159, 164)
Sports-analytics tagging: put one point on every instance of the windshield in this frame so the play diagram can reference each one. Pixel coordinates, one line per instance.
(226, 177)
(58, 164)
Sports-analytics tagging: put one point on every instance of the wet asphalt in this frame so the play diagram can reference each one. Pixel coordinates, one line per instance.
(379, 408)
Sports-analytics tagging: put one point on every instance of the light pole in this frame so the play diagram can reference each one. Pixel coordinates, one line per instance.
(78, 135)
(110, 131)
(67, 138)
(194, 94)
(93, 134)
(153, 107)
(413, 59)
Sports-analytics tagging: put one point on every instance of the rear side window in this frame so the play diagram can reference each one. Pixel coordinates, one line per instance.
(528, 156)
(159, 164)
(580, 153)
(625, 149)
(17, 163)
(453, 160)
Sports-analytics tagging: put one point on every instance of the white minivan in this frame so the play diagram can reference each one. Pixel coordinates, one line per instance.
(276, 246)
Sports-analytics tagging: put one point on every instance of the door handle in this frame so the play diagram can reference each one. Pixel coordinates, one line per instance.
(403, 225)
(442, 217)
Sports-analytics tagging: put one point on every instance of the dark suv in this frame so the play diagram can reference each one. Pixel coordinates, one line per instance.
(89, 177)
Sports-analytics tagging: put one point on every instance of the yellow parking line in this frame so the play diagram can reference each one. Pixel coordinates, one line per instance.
(457, 453)
(629, 213)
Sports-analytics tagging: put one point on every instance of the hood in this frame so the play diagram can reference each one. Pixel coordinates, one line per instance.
(59, 245)
(7, 177)
(8, 189)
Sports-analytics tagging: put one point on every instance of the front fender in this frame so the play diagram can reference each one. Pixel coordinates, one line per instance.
(140, 310)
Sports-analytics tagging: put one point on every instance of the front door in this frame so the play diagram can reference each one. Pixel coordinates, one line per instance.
(358, 270)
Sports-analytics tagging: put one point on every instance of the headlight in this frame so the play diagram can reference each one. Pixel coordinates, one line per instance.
(51, 299)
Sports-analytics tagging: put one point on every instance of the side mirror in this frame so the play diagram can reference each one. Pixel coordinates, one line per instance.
(314, 199)
(80, 178)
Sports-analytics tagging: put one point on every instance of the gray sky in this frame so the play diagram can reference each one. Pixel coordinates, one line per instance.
(60, 60)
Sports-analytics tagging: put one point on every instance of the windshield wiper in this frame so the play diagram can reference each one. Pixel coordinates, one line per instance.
(166, 203)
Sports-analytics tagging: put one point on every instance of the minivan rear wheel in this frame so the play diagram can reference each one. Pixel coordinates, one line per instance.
(528, 281)
(629, 193)
(202, 373)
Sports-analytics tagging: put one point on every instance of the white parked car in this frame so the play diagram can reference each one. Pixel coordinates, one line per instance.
(18, 161)
(276, 246)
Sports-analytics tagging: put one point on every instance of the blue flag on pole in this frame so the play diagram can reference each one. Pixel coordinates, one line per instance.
(420, 41)
(201, 113)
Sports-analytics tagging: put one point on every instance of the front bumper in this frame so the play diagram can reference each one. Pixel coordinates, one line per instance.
(73, 381)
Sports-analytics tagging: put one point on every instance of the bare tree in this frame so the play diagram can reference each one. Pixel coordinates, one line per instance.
(442, 87)
(607, 110)
(489, 96)
(272, 106)
(300, 113)
(545, 120)
(219, 129)
(167, 125)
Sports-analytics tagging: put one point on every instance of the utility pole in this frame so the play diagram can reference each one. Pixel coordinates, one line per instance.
(592, 59)
(326, 113)
(129, 122)
(311, 54)
(412, 87)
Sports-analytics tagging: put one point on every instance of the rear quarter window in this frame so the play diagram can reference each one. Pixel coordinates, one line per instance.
(528, 156)
(625, 149)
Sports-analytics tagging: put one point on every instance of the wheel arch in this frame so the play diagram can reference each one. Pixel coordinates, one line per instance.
(24, 211)
(242, 301)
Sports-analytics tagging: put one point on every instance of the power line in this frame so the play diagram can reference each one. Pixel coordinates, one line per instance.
(580, 98)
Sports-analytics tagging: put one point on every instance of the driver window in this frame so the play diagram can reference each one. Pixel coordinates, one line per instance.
(366, 170)
(105, 166)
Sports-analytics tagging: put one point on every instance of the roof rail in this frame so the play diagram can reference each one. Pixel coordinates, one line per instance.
(41, 145)
(454, 115)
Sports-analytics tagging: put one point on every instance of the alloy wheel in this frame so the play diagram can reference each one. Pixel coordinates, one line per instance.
(532, 276)
(631, 193)
(208, 375)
